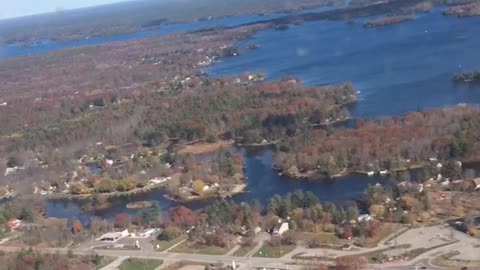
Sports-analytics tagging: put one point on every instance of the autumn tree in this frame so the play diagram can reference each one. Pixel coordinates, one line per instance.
(408, 202)
(182, 216)
(78, 188)
(122, 221)
(198, 186)
(105, 186)
(346, 232)
(169, 233)
(377, 210)
(76, 226)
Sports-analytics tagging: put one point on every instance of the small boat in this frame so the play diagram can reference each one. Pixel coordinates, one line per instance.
(383, 172)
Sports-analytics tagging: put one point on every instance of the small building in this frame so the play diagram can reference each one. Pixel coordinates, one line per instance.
(364, 218)
(383, 172)
(149, 232)
(280, 228)
(113, 236)
(14, 224)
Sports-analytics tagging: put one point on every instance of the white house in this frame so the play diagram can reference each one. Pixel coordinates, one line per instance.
(280, 228)
(113, 236)
(364, 218)
(383, 172)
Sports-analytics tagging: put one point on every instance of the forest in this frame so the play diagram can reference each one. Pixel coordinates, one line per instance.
(65, 105)
(390, 143)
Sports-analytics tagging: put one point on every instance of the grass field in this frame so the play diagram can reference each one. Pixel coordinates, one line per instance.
(242, 251)
(188, 247)
(164, 245)
(104, 262)
(300, 256)
(139, 264)
(273, 252)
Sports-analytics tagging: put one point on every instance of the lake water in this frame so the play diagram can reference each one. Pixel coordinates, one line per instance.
(263, 182)
(13, 50)
(398, 68)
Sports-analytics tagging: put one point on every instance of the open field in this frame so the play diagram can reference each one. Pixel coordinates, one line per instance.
(242, 251)
(273, 252)
(188, 247)
(139, 264)
(164, 245)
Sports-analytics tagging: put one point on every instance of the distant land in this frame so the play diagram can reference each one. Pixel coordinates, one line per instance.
(128, 17)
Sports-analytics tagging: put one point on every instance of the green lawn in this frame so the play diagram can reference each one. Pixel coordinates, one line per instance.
(164, 245)
(273, 252)
(300, 256)
(242, 251)
(5, 235)
(189, 247)
(104, 261)
(139, 264)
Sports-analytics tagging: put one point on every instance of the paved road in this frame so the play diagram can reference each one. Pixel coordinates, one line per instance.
(248, 261)
(172, 257)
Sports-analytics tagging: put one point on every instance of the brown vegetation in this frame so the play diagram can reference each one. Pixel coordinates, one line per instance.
(77, 100)
(33, 260)
(467, 10)
(387, 21)
(389, 143)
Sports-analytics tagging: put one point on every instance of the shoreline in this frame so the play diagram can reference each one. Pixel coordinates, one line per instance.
(315, 175)
(116, 194)
(237, 189)
(261, 144)
(386, 21)
(8, 196)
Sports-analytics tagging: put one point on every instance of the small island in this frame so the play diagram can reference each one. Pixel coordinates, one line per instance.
(467, 77)
(387, 21)
(468, 10)
(139, 204)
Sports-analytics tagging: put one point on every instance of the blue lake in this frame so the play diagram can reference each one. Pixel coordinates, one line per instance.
(263, 182)
(397, 69)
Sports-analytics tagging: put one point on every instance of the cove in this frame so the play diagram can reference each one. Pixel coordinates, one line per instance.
(263, 182)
